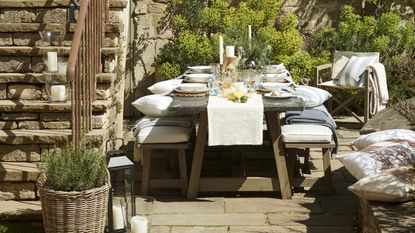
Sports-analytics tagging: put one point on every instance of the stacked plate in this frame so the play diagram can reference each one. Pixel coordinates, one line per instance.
(191, 88)
(274, 86)
(198, 74)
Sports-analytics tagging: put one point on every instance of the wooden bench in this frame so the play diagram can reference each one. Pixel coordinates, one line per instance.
(380, 217)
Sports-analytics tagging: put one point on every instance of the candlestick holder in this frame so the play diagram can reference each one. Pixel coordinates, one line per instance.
(56, 86)
(230, 68)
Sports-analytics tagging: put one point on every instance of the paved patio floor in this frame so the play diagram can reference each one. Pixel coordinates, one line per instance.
(309, 211)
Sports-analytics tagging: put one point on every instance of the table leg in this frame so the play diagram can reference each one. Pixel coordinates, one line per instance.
(274, 129)
(198, 154)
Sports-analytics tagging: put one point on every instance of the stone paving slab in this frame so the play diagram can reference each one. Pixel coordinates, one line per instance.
(291, 229)
(199, 230)
(159, 229)
(255, 219)
(20, 210)
(201, 206)
(265, 205)
(339, 204)
(310, 220)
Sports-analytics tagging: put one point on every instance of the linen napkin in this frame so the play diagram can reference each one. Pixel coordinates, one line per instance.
(235, 123)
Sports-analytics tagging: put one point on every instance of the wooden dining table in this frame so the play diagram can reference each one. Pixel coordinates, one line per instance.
(272, 108)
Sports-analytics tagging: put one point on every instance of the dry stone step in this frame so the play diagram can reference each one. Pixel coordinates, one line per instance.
(20, 153)
(53, 136)
(19, 171)
(18, 191)
(34, 27)
(36, 51)
(40, 79)
(20, 210)
(54, 3)
(20, 106)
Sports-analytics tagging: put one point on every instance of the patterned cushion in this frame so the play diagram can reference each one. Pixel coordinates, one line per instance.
(379, 157)
(348, 67)
(369, 139)
(391, 185)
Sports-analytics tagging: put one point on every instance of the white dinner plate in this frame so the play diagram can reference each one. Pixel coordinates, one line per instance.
(190, 92)
(283, 95)
(198, 78)
(200, 69)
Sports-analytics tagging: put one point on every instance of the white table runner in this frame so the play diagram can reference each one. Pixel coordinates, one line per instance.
(235, 123)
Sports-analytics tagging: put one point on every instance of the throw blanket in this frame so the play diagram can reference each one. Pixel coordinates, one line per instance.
(153, 121)
(312, 116)
(379, 88)
(235, 123)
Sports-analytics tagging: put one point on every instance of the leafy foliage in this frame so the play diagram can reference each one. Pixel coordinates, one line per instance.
(197, 25)
(68, 172)
(385, 32)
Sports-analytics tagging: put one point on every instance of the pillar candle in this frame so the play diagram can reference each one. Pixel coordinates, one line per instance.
(58, 94)
(62, 68)
(139, 224)
(221, 50)
(230, 51)
(117, 217)
(52, 61)
(249, 32)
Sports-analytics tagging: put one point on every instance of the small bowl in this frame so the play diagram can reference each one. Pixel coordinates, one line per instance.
(273, 86)
(192, 87)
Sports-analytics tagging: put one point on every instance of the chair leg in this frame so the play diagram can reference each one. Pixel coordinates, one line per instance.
(138, 152)
(327, 167)
(183, 171)
(145, 181)
(366, 106)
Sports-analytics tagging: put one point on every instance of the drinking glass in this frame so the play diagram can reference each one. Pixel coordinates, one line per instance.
(214, 87)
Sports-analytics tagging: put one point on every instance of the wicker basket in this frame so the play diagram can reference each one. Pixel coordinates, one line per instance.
(74, 211)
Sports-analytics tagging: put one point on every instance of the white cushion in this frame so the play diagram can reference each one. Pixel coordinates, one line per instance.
(153, 105)
(312, 96)
(369, 139)
(304, 133)
(391, 185)
(165, 87)
(379, 157)
(163, 134)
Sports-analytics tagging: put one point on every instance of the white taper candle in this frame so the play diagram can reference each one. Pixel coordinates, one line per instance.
(220, 49)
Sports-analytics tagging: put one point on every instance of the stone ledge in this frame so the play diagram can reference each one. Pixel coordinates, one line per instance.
(20, 210)
(37, 51)
(54, 3)
(44, 106)
(39, 78)
(36, 27)
(19, 171)
(53, 136)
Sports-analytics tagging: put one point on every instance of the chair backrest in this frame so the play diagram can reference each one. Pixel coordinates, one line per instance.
(348, 67)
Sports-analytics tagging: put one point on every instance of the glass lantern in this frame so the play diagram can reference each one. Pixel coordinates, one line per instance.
(57, 88)
(121, 200)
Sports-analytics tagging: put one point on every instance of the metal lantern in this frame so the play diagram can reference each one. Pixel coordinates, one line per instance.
(121, 201)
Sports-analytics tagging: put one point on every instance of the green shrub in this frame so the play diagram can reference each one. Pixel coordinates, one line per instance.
(384, 31)
(197, 24)
(65, 171)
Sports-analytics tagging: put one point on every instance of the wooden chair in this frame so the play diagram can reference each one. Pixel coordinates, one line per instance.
(166, 138)
(362, 90)
(306, 136)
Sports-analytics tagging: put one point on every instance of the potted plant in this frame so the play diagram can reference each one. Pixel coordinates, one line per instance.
(74, 189)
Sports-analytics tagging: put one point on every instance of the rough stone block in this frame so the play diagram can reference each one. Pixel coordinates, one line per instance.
(17, 16)
(115, 15)
(26, 39)
(20, 153)
(17, 191)
(111, 40)
(29, 125)
(14, 64)
(157, 8)
(56, 125)
(6, 39)
(19, 116)
(3, 91)
(57, 15)
(37, 65)
(19, 171)
(7, 125)
(103, 91)
(24, 91)
(55, 116)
